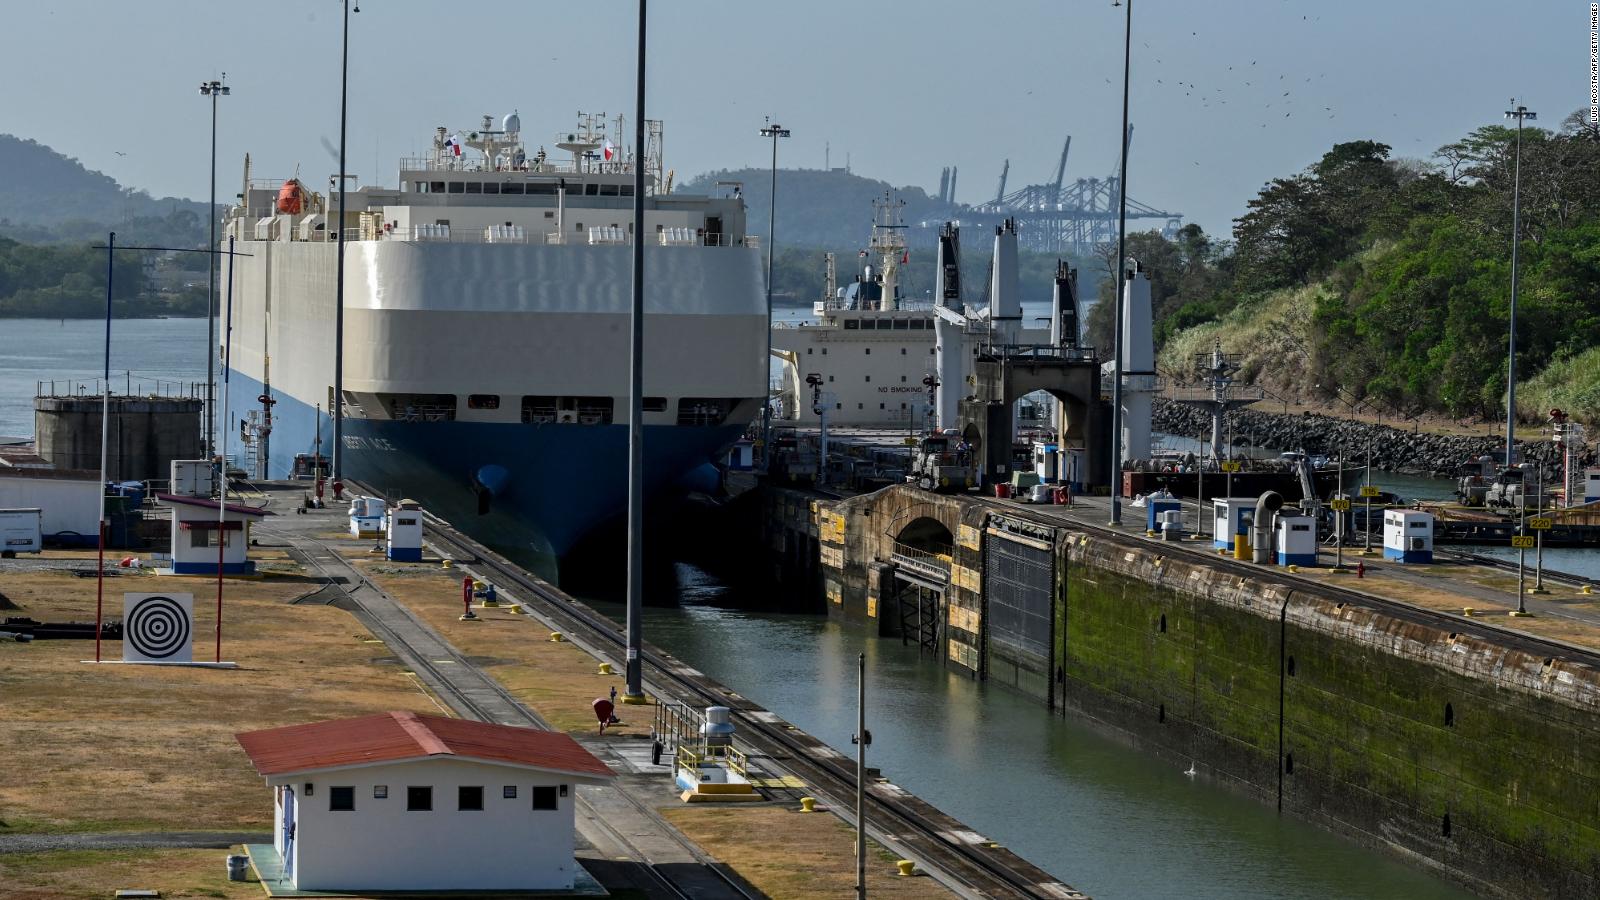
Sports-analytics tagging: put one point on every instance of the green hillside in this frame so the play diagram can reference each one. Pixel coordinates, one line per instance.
(47, 196)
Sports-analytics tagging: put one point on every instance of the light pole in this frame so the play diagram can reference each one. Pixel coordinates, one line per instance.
(1116, 313)
(772, 130)
(213, 89)
(1520, 113)
(633, 688)
(338, 291)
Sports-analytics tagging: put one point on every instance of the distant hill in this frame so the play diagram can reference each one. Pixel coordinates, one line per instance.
(49, 197)
(816, 207)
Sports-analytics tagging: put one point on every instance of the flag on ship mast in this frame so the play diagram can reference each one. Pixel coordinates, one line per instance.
(453, 145)
(609, 151)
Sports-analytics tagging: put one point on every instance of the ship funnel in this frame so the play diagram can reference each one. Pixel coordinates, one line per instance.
(947, 292)
(1005, 300)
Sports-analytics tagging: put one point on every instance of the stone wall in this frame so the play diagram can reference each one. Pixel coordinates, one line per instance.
(1459, 752)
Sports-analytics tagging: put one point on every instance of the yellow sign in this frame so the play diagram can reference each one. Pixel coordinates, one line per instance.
(1231, 466)
(910, 442)
(1522, 541)
(1339, 504)
(1369, 490)
(872, 607)
(1540, 523)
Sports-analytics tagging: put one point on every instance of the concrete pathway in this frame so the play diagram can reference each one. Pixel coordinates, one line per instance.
(128, 840)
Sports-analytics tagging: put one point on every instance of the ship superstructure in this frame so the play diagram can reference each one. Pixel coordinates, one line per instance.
(487, 297)
(883, 356)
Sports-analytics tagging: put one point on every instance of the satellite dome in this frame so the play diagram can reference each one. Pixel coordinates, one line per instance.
(511, 124)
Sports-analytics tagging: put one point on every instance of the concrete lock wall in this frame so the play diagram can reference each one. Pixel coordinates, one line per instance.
(146, 434)
(1472, 757)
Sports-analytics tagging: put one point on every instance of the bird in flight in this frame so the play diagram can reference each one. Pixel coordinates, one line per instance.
(119, 153)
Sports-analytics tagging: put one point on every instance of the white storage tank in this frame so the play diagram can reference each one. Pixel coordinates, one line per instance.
(1297, 540)
(21, 531)
(1408, 536)
(405, 532)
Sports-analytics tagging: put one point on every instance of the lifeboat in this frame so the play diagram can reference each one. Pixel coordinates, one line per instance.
(292, 197)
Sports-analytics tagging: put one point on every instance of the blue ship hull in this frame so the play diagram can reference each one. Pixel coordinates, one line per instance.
(552, 484)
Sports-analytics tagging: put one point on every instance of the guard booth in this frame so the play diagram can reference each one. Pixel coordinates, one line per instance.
(405, 532)
(367, 516)
(1591, 490)
(197, 529)
(1232, 518)
(1046, 462)
(1408, 536)
(1296, 540)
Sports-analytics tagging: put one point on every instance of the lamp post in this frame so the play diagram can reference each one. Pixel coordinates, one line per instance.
(1520, 113)
(338, 291)
(213, 89)
(633, 688)
(770, 130)
(1122, 236)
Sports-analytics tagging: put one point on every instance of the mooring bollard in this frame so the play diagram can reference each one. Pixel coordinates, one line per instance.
(808, 804)
(605, 668)
(906, 867)
(556, 638)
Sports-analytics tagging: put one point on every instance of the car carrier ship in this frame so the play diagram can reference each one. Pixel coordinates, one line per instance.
(487, 297)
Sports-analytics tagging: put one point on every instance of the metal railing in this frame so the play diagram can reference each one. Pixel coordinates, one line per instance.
(127, 387)
(598, 236)
(736, 761)
(933, 563)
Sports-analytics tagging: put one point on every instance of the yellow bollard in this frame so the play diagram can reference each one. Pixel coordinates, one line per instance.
(514, 609)
(1468, 611)
(605, 668)
(1587, 589)
(445, 563)
(906, 867)
(556, 638)
(808, 804)
(1293, 567)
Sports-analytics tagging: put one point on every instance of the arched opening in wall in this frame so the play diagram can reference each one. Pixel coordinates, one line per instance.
(1163, 625)
(1288, 764)
(1449, 716)
(925, 533)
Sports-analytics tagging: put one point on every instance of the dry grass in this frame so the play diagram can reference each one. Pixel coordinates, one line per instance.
(99, 873)
(114, 747)
(1559, 628)
(786, 853)
(557, 680)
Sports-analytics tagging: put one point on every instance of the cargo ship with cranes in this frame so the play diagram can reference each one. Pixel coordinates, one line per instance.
(486, 310)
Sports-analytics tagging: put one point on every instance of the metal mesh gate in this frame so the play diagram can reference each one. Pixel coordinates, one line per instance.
(1018, 579)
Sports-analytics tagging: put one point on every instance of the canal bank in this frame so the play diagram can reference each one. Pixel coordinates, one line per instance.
(1461, 748)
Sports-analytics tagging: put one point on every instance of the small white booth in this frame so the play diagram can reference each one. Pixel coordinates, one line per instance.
(742, 455)
(1591, 490)
(405, 532)
(1296, 540)
(195, 534)
(1046, 461)
(1408, 536)
(367, 516)
(1232, 517)
(409, 802)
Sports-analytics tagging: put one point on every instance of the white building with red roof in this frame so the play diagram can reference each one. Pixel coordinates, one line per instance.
(407, 802)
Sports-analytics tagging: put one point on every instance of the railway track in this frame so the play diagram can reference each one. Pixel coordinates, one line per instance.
(473, 694)
(1406, 612)
(897, 819)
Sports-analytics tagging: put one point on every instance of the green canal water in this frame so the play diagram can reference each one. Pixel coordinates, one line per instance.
(1115, 822)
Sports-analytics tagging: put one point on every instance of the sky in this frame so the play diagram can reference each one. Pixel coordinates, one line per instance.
(1225, 95)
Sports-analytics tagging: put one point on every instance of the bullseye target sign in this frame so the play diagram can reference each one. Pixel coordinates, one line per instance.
(157, 628)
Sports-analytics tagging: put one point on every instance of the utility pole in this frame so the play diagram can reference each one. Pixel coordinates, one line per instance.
(1520, 113)
(1538, 535)
(213, 89)
(1121, 278)
(633, 691)
(862, 738)
(338, 302)
(1367, 497)
(772, 130)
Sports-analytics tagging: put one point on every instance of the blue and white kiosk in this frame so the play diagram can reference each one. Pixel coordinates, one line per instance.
(1408, 536)
(1232, 518)
(404, 530)
(1296, 540)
